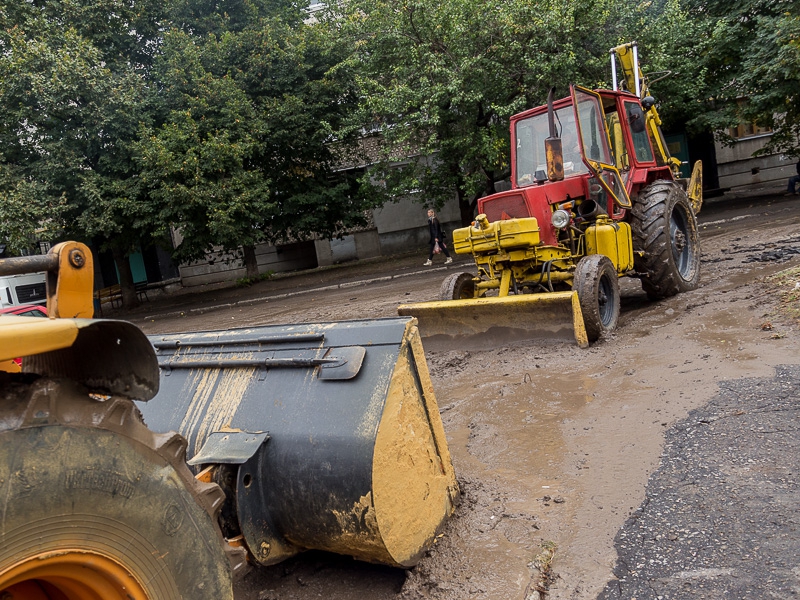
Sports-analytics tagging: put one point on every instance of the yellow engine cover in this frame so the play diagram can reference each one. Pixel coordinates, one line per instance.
(613, 239)
(513, 233)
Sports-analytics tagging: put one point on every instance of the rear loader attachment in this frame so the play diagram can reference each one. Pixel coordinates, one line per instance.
(324, 436)
(491, 321)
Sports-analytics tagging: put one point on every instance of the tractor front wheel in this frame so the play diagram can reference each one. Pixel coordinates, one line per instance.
(458, 286)
(665, 231)
(597, 285)
(95, 505)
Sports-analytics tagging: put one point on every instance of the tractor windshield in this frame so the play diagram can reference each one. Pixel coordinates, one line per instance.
(530, 134)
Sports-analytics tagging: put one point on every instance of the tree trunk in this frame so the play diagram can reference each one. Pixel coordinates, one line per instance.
(466, 208)
(129, 297)
(250, 262)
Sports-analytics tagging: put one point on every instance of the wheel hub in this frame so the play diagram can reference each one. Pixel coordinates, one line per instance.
(69, 574)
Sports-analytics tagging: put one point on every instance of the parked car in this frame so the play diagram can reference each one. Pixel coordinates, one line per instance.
(22, 289)
(25, 310)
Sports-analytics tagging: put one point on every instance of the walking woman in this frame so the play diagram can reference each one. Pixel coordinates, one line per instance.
(437, 238)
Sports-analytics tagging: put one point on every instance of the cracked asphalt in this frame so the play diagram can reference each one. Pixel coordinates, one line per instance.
(721, 515)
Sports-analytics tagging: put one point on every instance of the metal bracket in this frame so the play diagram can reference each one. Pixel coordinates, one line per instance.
(229, 447)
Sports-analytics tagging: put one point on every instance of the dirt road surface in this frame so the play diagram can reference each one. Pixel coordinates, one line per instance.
(553, 445)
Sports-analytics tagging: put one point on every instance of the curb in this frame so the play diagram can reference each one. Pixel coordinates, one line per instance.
(338, 286)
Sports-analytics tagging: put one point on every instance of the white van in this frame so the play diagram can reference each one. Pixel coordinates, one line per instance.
(22, 289)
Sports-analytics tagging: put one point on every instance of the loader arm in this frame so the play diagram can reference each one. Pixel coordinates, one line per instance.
(109, 356)
(331, 430)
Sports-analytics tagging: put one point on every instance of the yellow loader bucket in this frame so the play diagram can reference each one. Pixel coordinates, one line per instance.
(494, 320)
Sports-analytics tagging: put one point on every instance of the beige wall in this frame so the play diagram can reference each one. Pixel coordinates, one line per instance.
(737, 168)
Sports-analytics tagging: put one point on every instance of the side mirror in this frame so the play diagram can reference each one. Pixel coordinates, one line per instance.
(636, 117)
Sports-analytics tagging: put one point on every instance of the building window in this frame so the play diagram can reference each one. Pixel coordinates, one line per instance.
(745, 130)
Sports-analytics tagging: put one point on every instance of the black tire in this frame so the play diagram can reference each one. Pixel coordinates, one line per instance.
(597, 284)
(665, 230)
(85, 484)
(458, 286)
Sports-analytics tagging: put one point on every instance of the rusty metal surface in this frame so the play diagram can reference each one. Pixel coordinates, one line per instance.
(20, 265)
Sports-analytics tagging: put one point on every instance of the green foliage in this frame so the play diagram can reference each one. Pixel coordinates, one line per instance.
(27, 213)
(242, 152)
(198, 164)
(71, 109)
(440, 78)
(750, 66)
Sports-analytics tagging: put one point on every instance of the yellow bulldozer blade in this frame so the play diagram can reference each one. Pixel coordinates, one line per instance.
(494, 320)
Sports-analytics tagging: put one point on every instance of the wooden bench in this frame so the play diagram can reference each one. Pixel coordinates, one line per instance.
(112, 294)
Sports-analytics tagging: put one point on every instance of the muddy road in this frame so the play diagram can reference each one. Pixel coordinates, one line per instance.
(552, 445)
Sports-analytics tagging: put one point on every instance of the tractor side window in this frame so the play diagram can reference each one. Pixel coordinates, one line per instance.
(527, 155)
(636, 124)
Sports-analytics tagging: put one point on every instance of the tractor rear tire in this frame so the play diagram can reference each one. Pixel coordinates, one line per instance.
(95, 505)
(597, 284)
(458, 286)
(665, 230)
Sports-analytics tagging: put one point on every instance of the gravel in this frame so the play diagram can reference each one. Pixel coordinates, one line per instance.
(721, 516)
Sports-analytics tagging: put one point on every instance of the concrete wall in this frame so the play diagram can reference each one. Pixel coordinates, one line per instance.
(737, 168)
(227, 267)
(399, 227)
(403, 226)
(359, 245)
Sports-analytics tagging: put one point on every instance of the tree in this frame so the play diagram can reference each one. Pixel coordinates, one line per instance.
(72, 87)
(439, 80)
(243, 153)
(750, 66)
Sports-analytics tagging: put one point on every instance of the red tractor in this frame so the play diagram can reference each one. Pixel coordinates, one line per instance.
(594, 196)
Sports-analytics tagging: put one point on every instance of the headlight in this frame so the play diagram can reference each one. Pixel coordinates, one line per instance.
(560, 219)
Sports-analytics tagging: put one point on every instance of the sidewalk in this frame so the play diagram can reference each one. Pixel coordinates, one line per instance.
(282, 285)
(770, 189)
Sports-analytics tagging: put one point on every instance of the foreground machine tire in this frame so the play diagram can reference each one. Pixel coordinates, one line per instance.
(598, 292)
(96, 505)
(664, 227)
(458, 286)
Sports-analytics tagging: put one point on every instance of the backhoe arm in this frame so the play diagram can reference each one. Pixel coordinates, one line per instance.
(636, 82)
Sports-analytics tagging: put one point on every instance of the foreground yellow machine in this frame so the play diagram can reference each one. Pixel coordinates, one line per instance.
(314, 436)
(595, 196)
